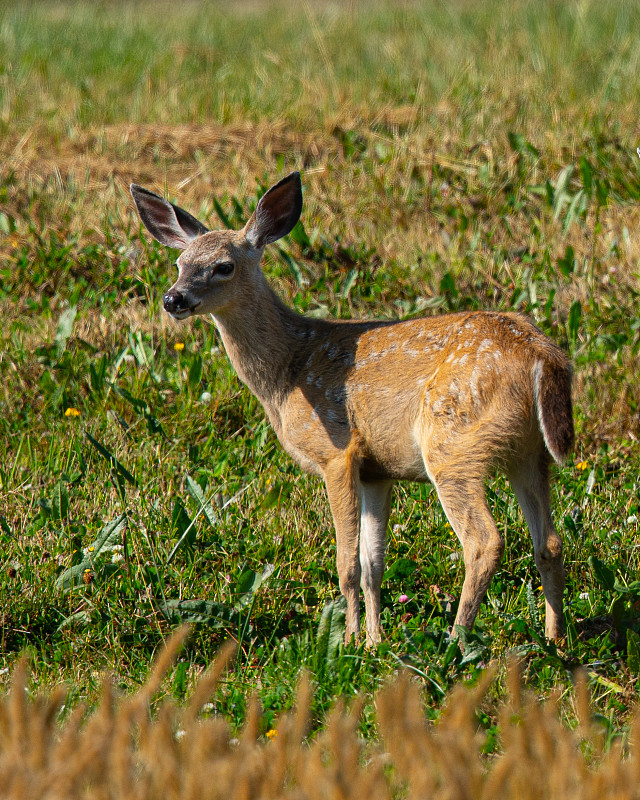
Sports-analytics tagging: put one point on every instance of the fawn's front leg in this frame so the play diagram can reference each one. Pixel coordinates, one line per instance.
(375, 502)
(343, 489)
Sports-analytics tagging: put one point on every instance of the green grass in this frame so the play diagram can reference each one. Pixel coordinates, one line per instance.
(453, 156)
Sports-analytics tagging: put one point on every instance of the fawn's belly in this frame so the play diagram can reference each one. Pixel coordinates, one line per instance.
(380, 434)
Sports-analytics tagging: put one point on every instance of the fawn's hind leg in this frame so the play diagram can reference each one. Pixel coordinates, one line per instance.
(530, 483)
(464, 502)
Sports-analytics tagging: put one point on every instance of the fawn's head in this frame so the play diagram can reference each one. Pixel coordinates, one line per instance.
(215, 266)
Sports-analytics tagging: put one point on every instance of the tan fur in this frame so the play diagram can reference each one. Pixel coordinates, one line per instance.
(363, 404)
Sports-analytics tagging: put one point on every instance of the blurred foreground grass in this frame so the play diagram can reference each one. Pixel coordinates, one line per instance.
(121, 751)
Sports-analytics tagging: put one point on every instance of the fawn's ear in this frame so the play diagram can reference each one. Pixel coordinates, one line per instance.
(167, 223)
(276, 213)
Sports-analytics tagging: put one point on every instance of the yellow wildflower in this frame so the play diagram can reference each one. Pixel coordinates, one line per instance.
(271, 734)
(178, 346)
(72, 412)
(582, 465)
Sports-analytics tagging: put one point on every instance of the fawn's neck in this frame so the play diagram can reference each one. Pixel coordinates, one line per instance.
(261, 336)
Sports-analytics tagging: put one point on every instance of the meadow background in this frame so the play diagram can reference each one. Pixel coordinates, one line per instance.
(454, 155)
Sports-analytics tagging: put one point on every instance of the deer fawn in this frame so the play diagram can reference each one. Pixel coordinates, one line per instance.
(364, 404)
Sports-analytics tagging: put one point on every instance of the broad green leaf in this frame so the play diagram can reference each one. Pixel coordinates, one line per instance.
(195, 372)
(605, 576)
(7, 223)
(577, 207)
(180, 680)
(141, 406)
(110, 535)
(203, 504)
(520, 145)
(633, 652)
(573, 323)
(448, 284)
(331, 630)
(271, 498)
(113, 461)
(143, 354)
(550, 193)
(60, 501)
(216, 615)
(615, 687)
(182, 523)
(400, 568)
(249, 582)
(4, 526)
(81, 618)
(586, 175)
(567, 264)
(560, 195)
(453, 649)
(63, 332)
(516, 141)
(352, 277)
(184, 527)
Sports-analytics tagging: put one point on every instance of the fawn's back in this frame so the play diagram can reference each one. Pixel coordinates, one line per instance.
(465, 383)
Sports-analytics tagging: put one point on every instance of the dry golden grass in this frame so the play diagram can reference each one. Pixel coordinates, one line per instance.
(122, 750)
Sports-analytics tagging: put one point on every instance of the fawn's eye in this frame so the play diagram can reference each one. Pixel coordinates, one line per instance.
(226, 268)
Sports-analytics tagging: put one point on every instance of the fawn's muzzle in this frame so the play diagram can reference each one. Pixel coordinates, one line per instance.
(176, 304)
(174, 301)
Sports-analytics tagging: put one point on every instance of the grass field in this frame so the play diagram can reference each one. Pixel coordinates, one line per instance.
(454, 155)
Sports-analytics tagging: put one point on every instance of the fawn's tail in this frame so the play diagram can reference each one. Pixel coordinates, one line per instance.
(552, 387)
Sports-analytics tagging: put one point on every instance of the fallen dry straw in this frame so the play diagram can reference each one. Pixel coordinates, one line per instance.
(122, 751)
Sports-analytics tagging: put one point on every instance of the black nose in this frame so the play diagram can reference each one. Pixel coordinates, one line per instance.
(173, 301)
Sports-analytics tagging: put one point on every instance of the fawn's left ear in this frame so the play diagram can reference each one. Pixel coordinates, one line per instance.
(167, 223)
(277, 212)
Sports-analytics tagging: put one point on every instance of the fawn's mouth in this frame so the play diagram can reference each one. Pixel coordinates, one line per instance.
(183, 313)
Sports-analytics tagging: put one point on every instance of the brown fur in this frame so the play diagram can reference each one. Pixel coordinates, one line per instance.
(363, 404)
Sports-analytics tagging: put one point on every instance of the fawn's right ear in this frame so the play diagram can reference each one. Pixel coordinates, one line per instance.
(276, 213)
(167, 223)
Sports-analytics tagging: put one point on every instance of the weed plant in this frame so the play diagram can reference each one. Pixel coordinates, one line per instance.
(454, 156)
